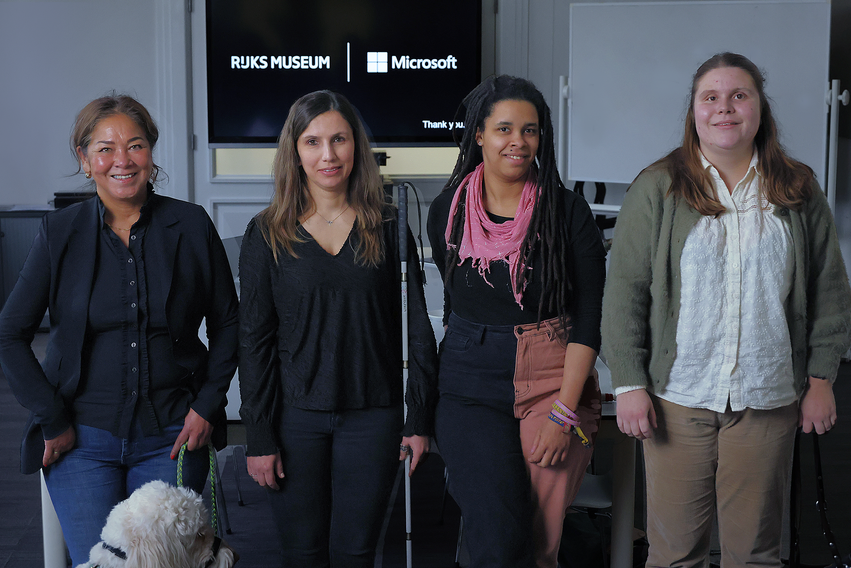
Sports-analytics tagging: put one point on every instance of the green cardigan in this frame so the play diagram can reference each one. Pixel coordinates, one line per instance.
(641, 304)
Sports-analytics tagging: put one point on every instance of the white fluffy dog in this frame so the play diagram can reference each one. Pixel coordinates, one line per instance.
(160, 526)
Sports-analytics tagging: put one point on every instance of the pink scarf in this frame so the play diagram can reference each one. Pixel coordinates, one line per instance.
(484, 241)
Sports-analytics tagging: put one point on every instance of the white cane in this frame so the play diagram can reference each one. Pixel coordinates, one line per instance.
(403, 258)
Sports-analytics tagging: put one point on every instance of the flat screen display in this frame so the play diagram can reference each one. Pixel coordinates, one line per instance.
(405, 66)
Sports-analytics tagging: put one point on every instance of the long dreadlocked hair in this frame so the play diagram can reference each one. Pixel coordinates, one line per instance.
(547, 227)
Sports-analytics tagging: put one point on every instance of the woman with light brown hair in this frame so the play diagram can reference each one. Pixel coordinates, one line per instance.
(727, 309)
(320, 341)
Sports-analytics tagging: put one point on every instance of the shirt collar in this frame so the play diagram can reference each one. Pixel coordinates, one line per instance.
(752, 166)
(144, 213)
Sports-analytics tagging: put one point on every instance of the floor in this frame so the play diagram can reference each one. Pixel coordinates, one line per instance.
(433, 541)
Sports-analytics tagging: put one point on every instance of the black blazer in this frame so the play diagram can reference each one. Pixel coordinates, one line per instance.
(58, 276)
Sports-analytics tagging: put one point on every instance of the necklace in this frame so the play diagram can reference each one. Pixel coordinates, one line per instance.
(117, 228)
(331, 222)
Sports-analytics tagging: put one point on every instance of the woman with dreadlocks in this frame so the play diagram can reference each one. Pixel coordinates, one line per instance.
(523, 268)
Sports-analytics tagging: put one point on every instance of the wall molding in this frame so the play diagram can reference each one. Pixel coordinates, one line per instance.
(172, 51)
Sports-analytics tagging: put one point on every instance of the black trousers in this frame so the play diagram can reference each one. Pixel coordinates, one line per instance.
(339, 469)
(479, 439)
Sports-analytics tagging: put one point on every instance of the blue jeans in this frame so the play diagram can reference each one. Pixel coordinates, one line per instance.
(339, 469)
(102, 470)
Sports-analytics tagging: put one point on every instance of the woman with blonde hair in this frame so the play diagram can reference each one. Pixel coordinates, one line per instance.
(320, 341)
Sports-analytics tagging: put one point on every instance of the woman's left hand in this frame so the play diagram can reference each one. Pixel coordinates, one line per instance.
(196, 433)
(419, 450)
(817, 410)
(550, 445)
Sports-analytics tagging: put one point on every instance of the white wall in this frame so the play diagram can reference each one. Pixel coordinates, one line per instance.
(56, 56)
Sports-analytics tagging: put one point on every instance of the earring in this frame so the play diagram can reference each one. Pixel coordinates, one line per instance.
(88, 175)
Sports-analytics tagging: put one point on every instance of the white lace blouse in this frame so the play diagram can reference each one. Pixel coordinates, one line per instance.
(733, 342)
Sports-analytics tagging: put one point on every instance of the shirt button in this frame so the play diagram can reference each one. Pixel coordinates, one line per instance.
(133, 305)
(134, 370)
(132, 282)
(129, 261)
(133, 394)
(132, 237)
(133, 344)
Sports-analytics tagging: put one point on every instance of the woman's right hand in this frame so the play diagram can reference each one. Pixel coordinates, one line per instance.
(54, 448)
(636, 415)
(266, 470)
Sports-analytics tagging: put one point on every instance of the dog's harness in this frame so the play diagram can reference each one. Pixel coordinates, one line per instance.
(217, 544)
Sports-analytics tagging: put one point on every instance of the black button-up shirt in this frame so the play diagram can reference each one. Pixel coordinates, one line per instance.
(129, 371)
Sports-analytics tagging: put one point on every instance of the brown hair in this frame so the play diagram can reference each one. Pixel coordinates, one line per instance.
(279, 222)
(787, 182)
(104, 107)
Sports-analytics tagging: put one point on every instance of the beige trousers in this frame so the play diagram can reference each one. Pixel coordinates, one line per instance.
(736, 462)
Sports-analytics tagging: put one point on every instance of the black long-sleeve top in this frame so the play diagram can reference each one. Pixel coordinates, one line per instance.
(322, 332)
(469, 296)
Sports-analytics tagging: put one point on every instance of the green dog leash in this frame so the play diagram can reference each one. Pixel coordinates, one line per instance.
(215, 508)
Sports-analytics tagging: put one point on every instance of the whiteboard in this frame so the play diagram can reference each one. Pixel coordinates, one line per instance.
(631, 66)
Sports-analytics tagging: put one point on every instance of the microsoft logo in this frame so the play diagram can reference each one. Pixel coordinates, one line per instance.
(376, 62)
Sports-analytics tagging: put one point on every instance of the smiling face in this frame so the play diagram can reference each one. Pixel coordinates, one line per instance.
(509, 140)
(119, 160)
(726, 113)
(326, 152)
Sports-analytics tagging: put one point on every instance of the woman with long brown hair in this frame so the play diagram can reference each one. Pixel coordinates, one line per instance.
(727, 309)
(320, 341)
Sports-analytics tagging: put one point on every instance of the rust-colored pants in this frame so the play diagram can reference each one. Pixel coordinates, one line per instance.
(538, 376)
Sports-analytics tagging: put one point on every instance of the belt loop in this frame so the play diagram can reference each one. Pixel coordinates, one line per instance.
(480, 334)
(551, 330)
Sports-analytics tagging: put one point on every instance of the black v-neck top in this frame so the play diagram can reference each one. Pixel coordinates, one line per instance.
(322, 332)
